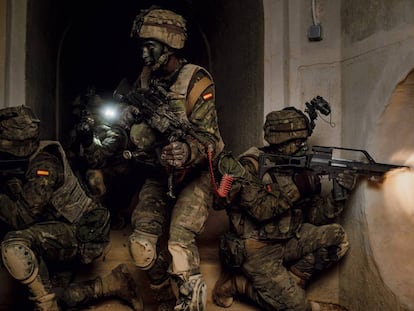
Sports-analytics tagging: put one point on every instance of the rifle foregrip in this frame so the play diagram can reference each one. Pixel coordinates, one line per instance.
(339, 193)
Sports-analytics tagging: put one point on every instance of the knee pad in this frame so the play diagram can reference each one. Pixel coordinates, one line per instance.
(143, 249)
(20, 260)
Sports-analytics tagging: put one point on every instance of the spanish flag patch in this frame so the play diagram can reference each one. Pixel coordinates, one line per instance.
(42, 173)
(208, 96)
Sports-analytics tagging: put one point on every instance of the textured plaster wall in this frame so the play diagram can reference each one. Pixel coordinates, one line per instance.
(377, 47)
(296, 70)
(390, 209)
(366, 51)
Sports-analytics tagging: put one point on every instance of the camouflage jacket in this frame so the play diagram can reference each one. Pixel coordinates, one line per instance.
(272, 208)
(191, 94)
(68, 200)
(107, 146)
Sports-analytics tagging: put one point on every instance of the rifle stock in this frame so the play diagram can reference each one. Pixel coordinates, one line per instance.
(13, 167)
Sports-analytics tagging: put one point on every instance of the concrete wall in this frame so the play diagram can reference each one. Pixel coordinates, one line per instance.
(12, 52)
(377, 47)
(365, 52)
(296, 69)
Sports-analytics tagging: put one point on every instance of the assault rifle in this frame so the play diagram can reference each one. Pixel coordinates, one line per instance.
(324, 161)
(13, 168)
(154, 108)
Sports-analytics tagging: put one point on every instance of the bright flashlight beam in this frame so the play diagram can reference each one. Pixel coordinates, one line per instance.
(110, 112)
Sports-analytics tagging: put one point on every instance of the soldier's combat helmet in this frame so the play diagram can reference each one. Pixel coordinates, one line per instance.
(162, 25)
(19, 131)
(286, 125)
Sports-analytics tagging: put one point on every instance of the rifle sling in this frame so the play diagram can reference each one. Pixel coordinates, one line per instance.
(195, 93)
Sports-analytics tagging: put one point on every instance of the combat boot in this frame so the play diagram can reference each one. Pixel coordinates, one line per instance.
(118, 283)
(164, 295)
(228, 286)
(192, 294)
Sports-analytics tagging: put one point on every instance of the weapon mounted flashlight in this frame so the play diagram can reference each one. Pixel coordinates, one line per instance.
(110, 112)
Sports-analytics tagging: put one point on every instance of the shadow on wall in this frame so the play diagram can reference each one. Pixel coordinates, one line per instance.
(390, 207)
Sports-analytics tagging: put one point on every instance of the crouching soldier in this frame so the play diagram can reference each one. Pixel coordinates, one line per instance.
(49, 218)
(282, 227)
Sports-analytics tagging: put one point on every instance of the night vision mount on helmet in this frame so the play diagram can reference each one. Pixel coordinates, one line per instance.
(291, 123)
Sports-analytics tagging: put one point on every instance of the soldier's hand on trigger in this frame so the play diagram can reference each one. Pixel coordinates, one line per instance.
(128, 117)
(308, 183)
(176, 154)
(347, 180)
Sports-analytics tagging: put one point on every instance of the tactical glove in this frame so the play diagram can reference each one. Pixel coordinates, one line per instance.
(128, 117)
(176, 154)
(343, 184)
(347, 180)
(308, 183)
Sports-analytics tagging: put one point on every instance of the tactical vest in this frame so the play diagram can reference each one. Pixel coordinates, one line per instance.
(69, 200)
(281, 227)
(180, 89)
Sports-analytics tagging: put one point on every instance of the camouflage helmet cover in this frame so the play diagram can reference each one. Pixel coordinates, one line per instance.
(19, 131)
(285, 125)
(162, 25)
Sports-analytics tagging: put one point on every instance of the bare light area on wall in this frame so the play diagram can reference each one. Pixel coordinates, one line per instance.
(390, 207)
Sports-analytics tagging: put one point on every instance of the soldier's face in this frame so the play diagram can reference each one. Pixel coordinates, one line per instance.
(151, 52)
(296, 147)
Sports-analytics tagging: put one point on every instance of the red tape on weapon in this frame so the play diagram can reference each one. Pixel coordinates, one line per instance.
(226, 180)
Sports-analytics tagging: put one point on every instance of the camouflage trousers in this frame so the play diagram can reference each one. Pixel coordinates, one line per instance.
(182, 219)
(268, 266)
(51, 239)
(14, 214)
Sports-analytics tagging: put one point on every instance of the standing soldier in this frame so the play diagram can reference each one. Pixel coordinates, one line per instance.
(282, 233)
(50, 218)
(190, 98)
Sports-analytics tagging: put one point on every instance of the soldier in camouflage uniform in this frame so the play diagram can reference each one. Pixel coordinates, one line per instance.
(50, 218)
(96, 149)
(281, 231)
(190, 91)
